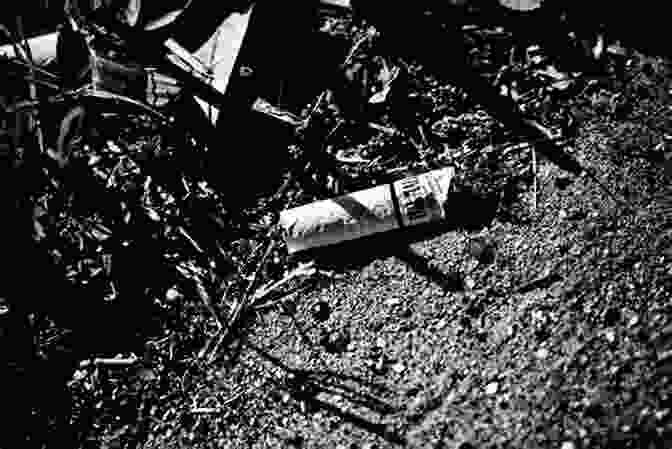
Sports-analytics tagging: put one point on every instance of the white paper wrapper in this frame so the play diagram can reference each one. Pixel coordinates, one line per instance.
(42, 48)
(407, 202)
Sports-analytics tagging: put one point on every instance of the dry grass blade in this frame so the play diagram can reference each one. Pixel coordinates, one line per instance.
(40, 70)
(306, 270)
(240, 306)
(284, 297)
(206, 410)
(384, 129)
(260, 267)
(237, 394)
(592, 174)
(92, 92)
(34, 124)
(356, 46)
(353, 51)
(205, 298)
(190, 239)
(262, 106)
(535, 186)
(129, 361)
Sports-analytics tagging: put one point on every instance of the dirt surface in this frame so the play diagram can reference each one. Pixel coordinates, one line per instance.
(546, 332)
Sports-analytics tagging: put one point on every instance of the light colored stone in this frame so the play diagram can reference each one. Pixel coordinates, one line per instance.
(568, 445)
(398, 368)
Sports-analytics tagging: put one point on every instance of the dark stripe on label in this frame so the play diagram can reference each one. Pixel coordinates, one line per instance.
(395, 203)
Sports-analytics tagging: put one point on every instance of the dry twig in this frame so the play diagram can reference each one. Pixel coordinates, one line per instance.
(239, 307)
(534, 179)
(112, 362)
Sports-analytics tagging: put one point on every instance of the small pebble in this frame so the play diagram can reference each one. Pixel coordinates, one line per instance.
(568, 445)
(172, 294)
(398, 368)
(610, 335)
(378, 366)
(492, 388)
(469, 283)
(392, 301)
(542, 353)
(660, 414)
(427, 294)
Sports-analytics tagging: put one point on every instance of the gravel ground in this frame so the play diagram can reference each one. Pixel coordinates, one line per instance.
(549, 331)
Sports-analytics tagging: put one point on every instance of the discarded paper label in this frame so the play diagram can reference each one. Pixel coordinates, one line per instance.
(419, 199)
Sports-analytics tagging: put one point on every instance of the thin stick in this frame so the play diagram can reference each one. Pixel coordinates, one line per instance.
(421, 130)
(302, 270)
(282, 299)
(386, 129)
(34, 123)
(240, 306)
(534, 180)
(39, 70)
(193, 242)
(220, 408)
(205, 297)
(347, 60)
(109, 362)
(260, 266)
(593, 176)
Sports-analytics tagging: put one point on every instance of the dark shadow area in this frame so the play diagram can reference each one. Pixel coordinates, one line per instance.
(380, 430)
(326, 377)
(305, 385)
(449, 282)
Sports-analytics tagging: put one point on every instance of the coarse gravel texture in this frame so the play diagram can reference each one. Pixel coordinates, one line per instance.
(549, 331)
